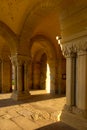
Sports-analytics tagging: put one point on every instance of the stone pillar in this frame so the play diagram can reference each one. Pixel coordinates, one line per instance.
(76, 115)
(14, 76)
(70, 55)
(82, 80)
(70, 79)
(21, 76)
(26, 76)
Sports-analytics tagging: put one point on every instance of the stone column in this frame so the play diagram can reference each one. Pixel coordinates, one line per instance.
(15, 77)
(70, 79)
(20, 82)
(82, 79)
(70, 55)
(22, 91)
(14, 73)
(76, 115)
(26, 76)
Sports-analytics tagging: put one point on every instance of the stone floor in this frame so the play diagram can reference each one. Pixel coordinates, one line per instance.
(41, 112)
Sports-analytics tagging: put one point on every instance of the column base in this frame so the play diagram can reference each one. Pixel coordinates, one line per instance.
(76, 121)
(20, 95)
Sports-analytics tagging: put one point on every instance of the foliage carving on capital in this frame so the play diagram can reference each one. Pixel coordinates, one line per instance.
(20, 60)
(68, 50)
(74, 46)
(81, 46)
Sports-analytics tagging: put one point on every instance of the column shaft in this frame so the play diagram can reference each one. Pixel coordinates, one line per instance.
(15, 77)
(82, 81)
(70, 80)
(19, 78)
(26, 87)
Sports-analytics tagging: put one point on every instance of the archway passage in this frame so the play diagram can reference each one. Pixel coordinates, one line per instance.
(48, 70)
(41, 74)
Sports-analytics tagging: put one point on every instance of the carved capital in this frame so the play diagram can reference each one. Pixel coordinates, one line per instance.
(20, 60)
(68, 50)
(77, 45)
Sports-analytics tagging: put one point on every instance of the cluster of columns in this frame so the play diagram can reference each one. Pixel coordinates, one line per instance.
(21, 75)
(76, 72)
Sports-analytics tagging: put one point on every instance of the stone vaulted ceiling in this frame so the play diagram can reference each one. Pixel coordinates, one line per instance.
(27, 18)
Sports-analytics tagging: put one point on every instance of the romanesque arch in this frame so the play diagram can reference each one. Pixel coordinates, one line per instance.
(40, 45)
(9, 36)
(34, 17)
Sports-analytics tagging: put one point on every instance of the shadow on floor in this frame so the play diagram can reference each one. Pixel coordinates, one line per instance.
(33, 98)
(56, 126)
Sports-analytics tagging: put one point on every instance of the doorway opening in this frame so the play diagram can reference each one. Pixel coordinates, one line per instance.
(41, 74)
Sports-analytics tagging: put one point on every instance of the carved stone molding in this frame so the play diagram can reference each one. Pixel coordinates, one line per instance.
(74, 46)
(20, 60)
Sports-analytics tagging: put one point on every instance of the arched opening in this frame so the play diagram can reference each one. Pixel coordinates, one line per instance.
(45, 74)
(48, 69)
(41, 74)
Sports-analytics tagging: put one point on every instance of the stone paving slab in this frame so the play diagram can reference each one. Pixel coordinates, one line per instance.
(6, 124)
(31, 114)
(25, 124)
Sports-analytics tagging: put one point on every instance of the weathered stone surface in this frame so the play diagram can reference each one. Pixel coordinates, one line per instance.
(24, 123)
(6, 124)
(25, 115)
